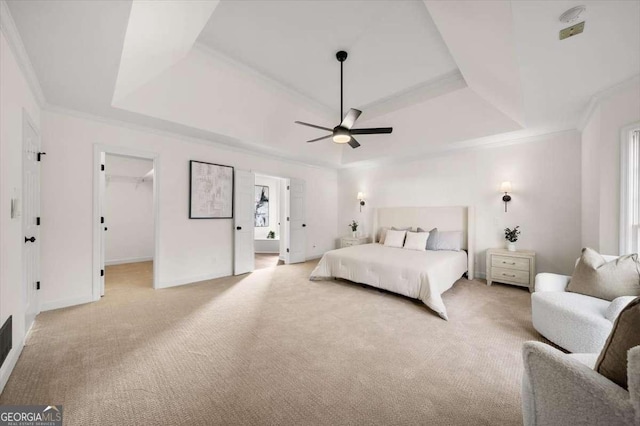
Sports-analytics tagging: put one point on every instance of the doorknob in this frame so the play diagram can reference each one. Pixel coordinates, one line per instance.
(32, 239)
(238, 228)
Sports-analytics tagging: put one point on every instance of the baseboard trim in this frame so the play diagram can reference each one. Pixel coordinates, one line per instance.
(267, 252)
(129, 260)
(193, 280)
(64, 303)
(9, 364)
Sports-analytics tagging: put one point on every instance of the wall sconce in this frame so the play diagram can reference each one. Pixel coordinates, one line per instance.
(361, 199)
(506, 188)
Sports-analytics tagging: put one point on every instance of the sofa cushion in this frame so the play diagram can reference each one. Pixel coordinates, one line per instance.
(612, 362)
(596, 277)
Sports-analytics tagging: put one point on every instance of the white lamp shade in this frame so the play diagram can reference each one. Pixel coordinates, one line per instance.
(360, 196)
(505, 187)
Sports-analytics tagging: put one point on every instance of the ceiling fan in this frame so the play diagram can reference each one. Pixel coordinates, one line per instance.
(343, 132)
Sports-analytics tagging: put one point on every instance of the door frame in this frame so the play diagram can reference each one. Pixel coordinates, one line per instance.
(98, 232)
(28, 121)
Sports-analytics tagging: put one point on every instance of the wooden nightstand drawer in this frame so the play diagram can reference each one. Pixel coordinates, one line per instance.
(353, 241)
(519, 263)
(512, 275)
(511, 267)
(349, 243)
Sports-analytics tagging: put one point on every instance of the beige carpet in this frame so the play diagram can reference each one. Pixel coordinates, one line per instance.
(274, 348)
(267, 260)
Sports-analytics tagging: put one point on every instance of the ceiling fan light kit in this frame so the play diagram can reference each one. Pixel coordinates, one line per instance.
(343, 132)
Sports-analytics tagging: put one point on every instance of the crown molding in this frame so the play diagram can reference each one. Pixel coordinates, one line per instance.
(416, 94)
(602, 95)
(489, 142)
(215, 140)
(9, 29)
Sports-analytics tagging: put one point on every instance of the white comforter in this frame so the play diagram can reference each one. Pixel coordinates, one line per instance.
(423, 275)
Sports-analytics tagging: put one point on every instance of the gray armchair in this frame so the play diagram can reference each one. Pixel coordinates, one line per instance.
(561, 389)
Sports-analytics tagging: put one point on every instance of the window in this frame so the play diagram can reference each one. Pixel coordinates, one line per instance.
(630, 190)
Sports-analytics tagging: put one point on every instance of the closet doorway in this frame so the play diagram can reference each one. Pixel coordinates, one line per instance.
(126, 211)
(269, 217)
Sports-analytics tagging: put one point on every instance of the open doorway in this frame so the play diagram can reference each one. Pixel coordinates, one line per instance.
(126, 218)
(128, 226)
(269, 218)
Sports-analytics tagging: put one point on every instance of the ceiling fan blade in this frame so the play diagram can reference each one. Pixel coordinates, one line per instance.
(371, 131)
(350, 119)
(353, 143)
(313, 125)
(319, 139)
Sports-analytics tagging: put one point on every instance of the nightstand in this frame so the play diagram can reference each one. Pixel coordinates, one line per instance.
(353, 241)
(511, 267)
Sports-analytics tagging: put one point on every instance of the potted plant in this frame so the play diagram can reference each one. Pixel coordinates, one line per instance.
(354, 228)
(511, 235)
(271, 235)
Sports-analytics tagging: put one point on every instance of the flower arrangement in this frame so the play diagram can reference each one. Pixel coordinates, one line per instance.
(511, 235)
(353, 225)
(271, 235)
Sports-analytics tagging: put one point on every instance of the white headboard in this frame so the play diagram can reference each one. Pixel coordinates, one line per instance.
(449, 218)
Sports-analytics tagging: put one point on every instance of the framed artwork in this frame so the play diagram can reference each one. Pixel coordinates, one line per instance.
(262, 206)
(210, 191)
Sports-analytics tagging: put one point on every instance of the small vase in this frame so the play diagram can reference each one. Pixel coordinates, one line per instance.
(354, 234)
(511, 246)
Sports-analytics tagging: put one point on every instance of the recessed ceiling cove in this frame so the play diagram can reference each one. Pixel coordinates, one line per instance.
(393, 45)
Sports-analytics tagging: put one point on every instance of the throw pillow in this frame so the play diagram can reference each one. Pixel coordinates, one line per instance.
(395, 238)
(596, 277)
(449, 240)
(382, 234)
(432, 242)
(612, 362)
(416, 241)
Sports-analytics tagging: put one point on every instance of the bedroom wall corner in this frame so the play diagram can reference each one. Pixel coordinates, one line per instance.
(546, 194)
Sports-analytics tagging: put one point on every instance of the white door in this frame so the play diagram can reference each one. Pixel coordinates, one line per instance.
(103, 220)
(296, 225)
(243, 222)
(31, 157)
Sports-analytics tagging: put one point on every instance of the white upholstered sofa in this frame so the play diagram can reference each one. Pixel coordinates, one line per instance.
(578, 323)
(560, 389)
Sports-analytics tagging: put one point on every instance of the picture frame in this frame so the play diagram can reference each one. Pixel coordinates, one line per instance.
(211, 190)
(261, 213)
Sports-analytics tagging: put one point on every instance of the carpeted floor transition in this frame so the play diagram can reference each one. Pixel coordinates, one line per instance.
(273, 347)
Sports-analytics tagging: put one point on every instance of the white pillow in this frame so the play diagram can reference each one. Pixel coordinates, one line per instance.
(394, 238)
(416, 241)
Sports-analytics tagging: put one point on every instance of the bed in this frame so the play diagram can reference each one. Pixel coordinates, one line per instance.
(422, 275)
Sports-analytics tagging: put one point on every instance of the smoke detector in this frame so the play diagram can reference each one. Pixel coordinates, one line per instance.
(572, 14)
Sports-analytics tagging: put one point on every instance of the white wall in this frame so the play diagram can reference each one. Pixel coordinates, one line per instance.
(601, 166)
(274, 207)
(546, 194)
(15, 97)
(190, 250)
(129, 210)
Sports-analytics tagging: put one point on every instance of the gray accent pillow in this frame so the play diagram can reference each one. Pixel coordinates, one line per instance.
(596, 277)
(449, 240)
(432, 242)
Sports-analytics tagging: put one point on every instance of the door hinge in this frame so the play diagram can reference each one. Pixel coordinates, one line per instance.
(287, 218)
(287, 250)
(287, 187)
(38, 220)
(40, 154)
(102, 167)
(102, 272)
(37, 285)
(101, 219)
